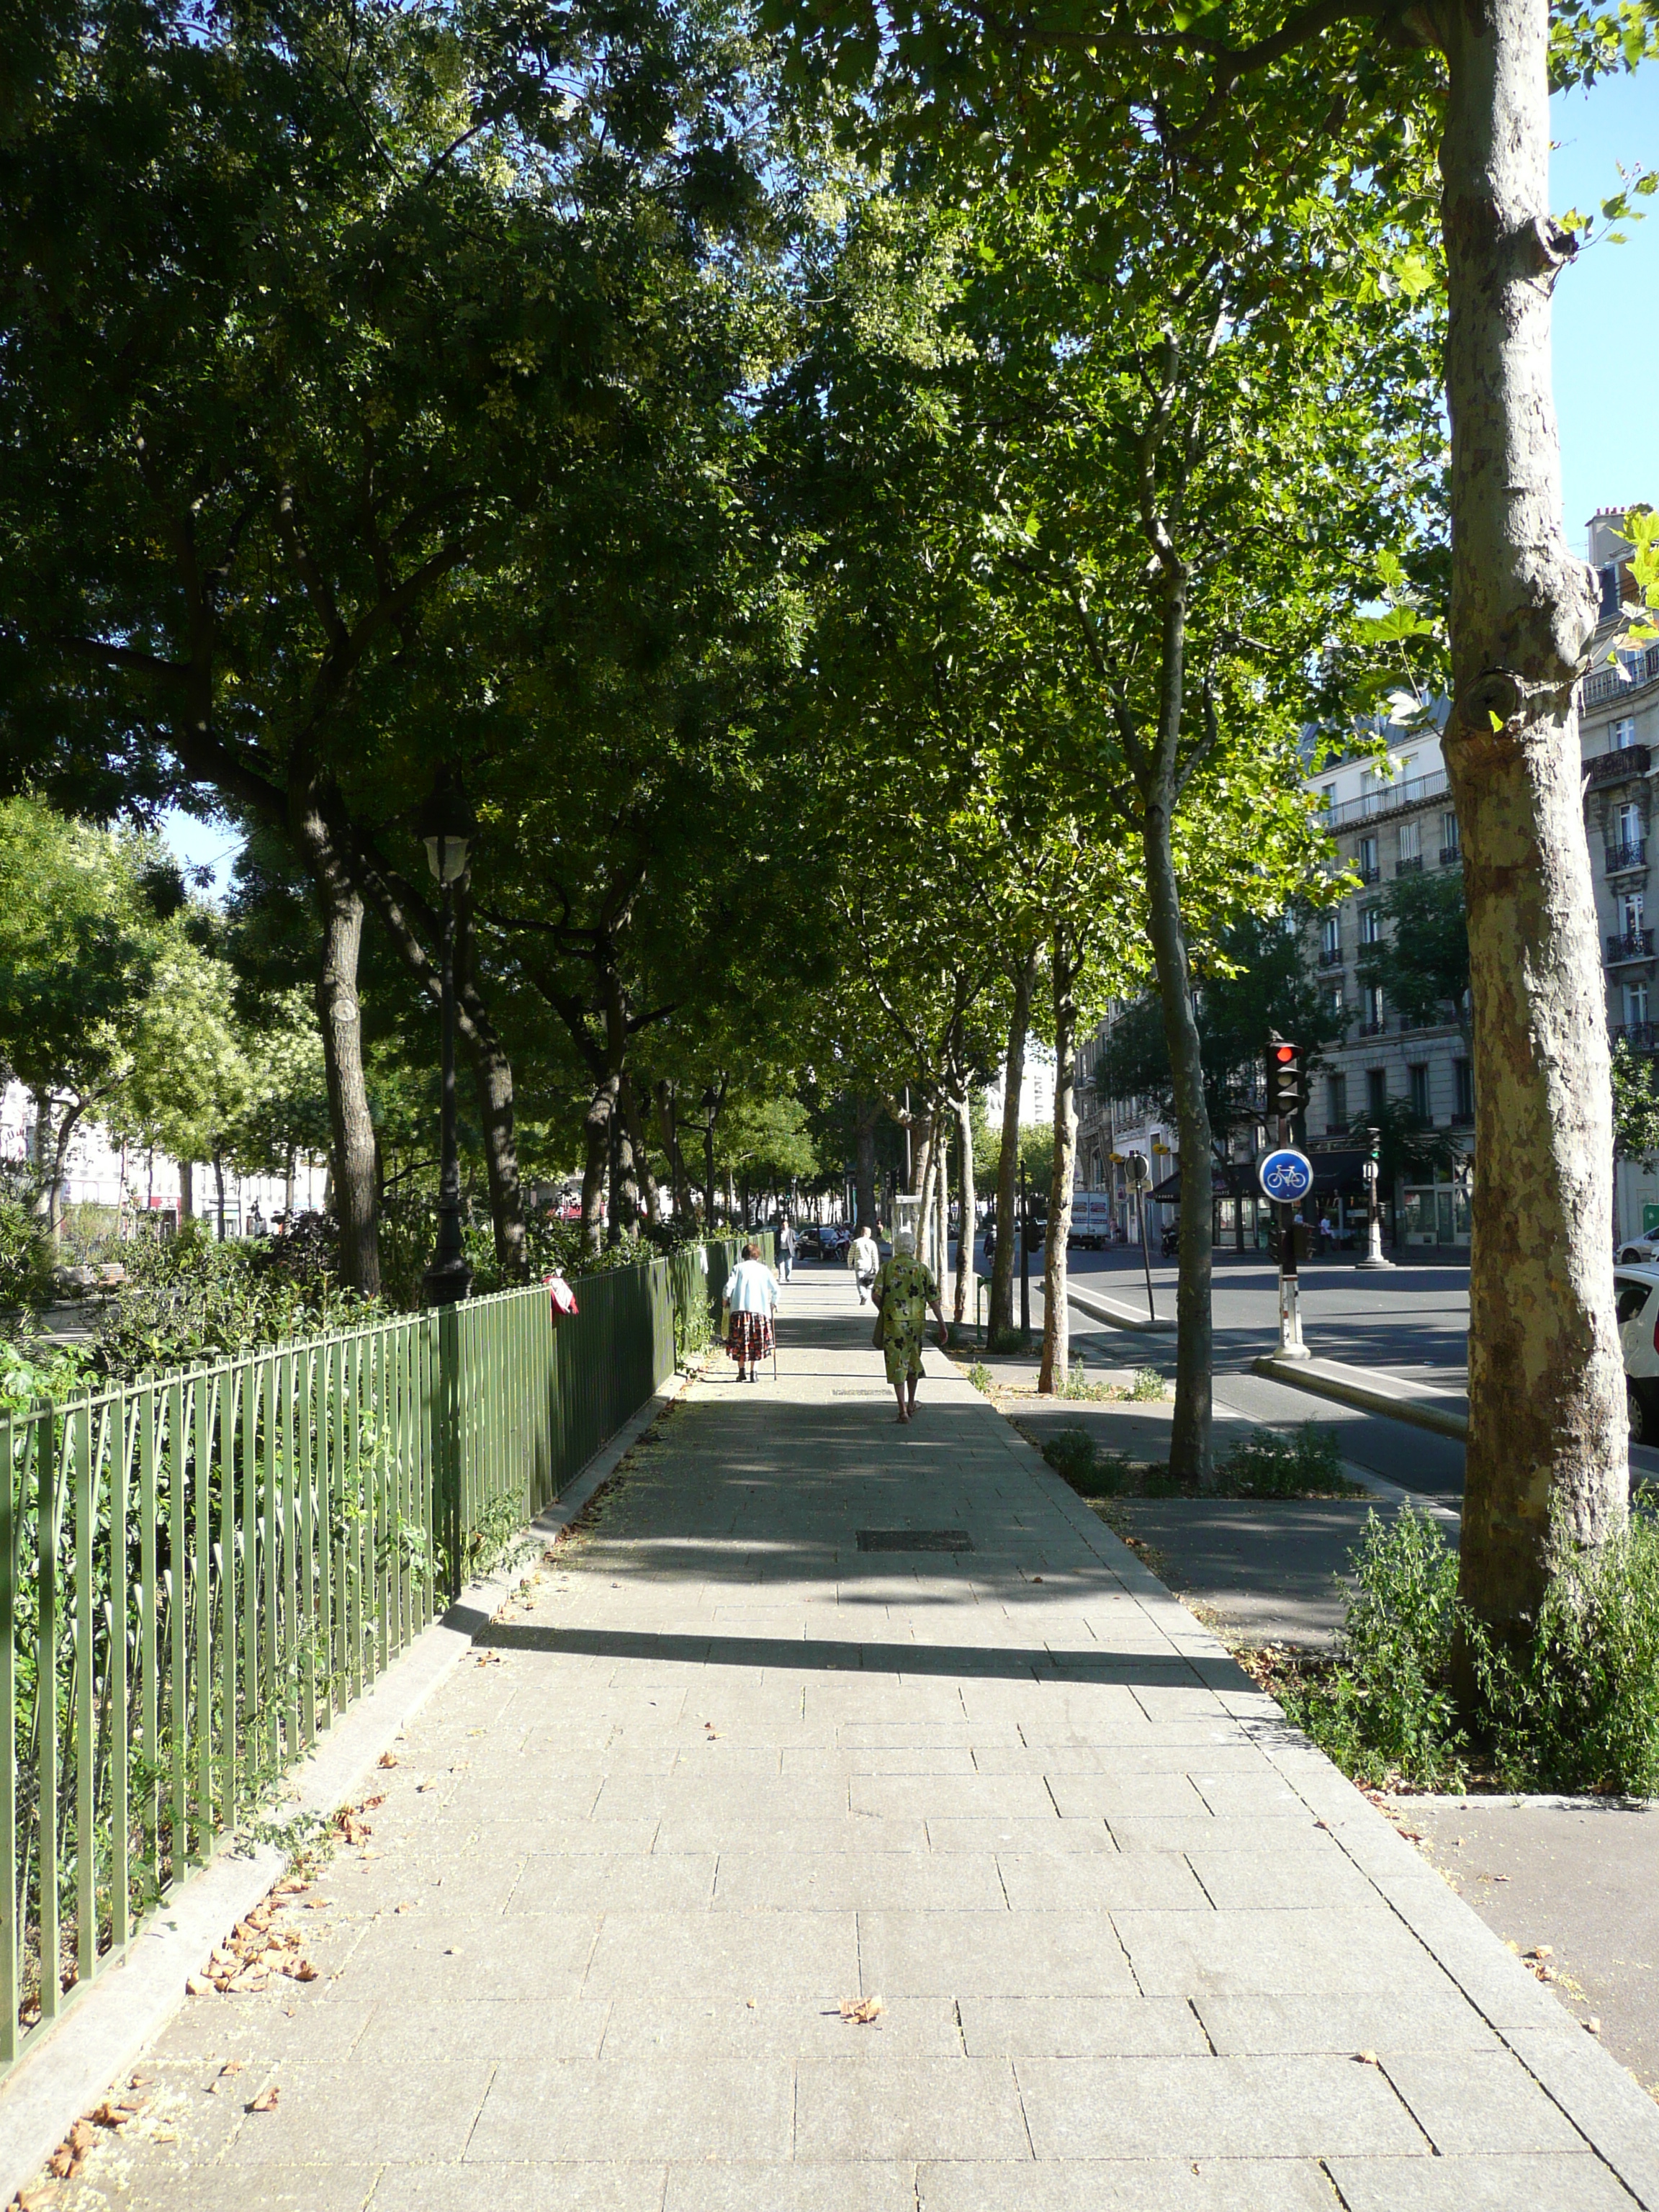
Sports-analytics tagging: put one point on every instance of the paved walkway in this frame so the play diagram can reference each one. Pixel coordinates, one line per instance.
(739, 1762)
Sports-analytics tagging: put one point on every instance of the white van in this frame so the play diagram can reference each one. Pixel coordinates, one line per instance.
(1091, 1219)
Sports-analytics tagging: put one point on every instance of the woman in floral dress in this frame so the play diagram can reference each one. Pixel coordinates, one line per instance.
(903, 1290)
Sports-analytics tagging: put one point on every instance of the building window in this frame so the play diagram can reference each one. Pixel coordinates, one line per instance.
(1418, 1077)
(1635, 1014)
(1371, 925)
(1336, 1105)
(1330, 933)
(1328, 797)
(1463, 1089)
(1451, 844)
(1622, 735)
(1368, 867)
(1376, 1091)
(1630, 907)
(1371, 1009)
(1339, 1006)
(1410, 839)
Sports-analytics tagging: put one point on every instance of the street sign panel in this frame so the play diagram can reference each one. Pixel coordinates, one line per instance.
(1137, 1171)
(1286, 1174)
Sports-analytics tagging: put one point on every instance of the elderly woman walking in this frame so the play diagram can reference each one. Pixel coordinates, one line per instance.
(902, 1289)
(751, 1291)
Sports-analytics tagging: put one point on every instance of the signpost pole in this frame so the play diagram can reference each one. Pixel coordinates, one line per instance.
(1287, 1178)
(1291, 1346)
(1138, 1173)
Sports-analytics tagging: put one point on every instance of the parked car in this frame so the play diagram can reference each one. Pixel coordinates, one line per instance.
(1637, 1309)
(829, 1240)
(1639, 1251)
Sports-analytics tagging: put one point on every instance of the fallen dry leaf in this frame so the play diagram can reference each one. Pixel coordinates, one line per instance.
(198, 1985)
(387, 1759)
(265, 2101)
(863, 2010)
(304, 1971)
(1539, 1951)
(1592, 2026)
(1367, 2058)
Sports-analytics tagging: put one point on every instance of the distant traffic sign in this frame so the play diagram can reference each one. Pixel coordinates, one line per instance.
(1286, 1174)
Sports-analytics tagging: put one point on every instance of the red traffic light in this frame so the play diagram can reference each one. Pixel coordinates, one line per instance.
(1285, 1053)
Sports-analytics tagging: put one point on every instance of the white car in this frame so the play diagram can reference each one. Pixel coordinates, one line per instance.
(1638, 1309)
(1639, 1251)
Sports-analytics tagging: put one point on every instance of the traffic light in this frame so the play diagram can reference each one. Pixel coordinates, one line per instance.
(1287, 1081)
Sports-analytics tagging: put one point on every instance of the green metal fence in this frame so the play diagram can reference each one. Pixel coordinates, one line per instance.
(198, 1572)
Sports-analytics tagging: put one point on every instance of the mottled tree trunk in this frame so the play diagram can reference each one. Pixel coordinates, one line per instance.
(864, 1112)
(492, 1078)
(963, 1312)
(1013, 1080)
(341, 1022)
(1547, 1457)
(1190, 1429)
(1056, 1329)
(596, 1160)
(186, 1191)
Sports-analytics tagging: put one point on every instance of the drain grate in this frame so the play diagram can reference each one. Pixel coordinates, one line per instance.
(915, 1539)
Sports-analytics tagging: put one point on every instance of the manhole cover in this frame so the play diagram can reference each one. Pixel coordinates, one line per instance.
(915, 1539)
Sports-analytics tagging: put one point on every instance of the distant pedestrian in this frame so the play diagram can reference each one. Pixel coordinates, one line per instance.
(256, 1225)
(902, 1289)
(788, 1244)
(751, 1293)
(864, 1257)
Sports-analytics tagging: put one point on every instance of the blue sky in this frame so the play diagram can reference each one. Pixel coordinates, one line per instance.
(1606, 336)
(1606, 306)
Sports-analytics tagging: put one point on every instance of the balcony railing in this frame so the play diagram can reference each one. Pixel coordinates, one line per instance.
(1632, 945)
(1372, 874)
(1612, 768)
(1620, 857)
(1411, 865)
(1640, 1036)
(1611, 683)
(1387, 798)
(1450, 855)
(1330, 955)
(1374, 1028)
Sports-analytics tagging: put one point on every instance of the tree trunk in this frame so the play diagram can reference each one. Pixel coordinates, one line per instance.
(1013, 1080)
(56, 1208)
(1056, 1326)
(634, 1169)
(1547, 1449)
(964, 1312)
(669, 1128)
(341, 1021)
(492, 1078)
(596, 1158)
(865, 1113)
(187, 1192)
(219, 1190)
(1190, 1439)
(942, 1200)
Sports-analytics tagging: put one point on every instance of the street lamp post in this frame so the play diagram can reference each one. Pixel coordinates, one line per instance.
(445, 826)
(1371, 1169)
(1024, 1255)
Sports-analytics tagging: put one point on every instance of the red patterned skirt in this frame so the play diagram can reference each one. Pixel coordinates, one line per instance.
(750, 1337)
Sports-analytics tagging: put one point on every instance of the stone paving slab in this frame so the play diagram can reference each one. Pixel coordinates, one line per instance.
(717, 1776)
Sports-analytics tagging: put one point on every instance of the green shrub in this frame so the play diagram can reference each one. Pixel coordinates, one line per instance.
(1384, 1712)
(1073, 1455)
(1578, 1708)
(1267, 1463)
(26, 1258)
(979, 1376)
(1148, 1383)
(1077, 1385)
(189, 1300)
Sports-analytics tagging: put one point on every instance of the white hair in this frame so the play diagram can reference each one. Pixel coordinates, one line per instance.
(905, 1240)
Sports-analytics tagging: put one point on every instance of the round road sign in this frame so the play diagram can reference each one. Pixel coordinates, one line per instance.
(1286, 1174)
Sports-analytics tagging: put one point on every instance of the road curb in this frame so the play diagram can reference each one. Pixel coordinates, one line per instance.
(102, 2034)
(1116, 1317)
(1322, 1380)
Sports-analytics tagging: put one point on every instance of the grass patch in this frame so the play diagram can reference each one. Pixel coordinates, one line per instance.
(979, 1376)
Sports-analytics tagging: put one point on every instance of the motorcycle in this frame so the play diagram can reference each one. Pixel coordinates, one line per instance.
(1171, 1240)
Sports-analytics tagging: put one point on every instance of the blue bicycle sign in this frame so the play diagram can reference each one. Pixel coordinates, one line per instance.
(1286, 1174)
